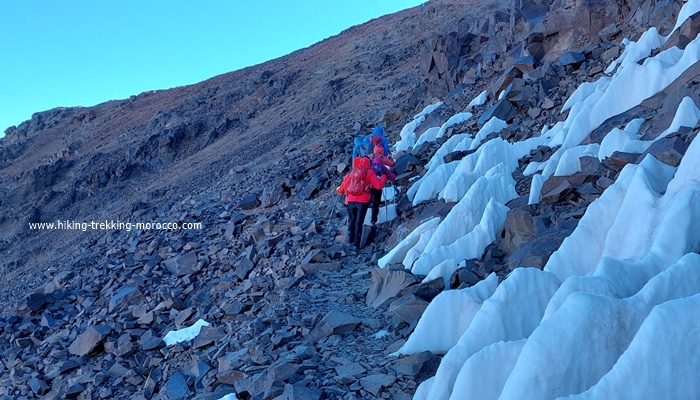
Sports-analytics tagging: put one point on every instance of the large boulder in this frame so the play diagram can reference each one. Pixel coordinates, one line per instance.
(503, 110)
(387, 283)
(669, 150)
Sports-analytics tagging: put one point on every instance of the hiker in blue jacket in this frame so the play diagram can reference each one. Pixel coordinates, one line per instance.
(361, 149)
(379, 131)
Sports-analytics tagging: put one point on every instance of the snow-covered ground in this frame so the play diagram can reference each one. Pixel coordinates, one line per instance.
(615, 312)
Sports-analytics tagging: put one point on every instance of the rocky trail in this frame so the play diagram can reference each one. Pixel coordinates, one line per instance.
(293, 313)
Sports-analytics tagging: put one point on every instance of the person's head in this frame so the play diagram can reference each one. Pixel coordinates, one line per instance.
(378, 130)
(363, 162)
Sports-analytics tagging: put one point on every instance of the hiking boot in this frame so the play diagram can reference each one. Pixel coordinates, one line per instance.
(355, 249)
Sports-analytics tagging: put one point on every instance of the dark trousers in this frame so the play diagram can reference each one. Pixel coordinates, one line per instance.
(374, 203)
(356, 218)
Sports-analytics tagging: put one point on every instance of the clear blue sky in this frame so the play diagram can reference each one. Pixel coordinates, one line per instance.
(77, 52)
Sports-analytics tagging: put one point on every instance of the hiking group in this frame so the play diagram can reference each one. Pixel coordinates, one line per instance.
(362, 186)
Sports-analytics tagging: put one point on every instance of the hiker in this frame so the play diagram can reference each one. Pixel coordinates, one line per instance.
(380, 168)
(356, 187)
(379, 131)
(378, 150)
(361, 149)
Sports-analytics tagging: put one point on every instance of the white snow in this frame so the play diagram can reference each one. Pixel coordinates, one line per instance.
(461, 141)
(408, 135)
(444, 270)
(511, 313)
(662, 360)
(438, 334)
(431, 183)
(453, 120)
(427, 110)
(609, 96)
(185, 334)
(386, 213)
(591, 353)
(491, 126)
(429, 135)
(569, 163)
(479, 100)
(471, 167)
(615, 314)
(398, 254)
(230, 396)
(381, 334)
(492, 364)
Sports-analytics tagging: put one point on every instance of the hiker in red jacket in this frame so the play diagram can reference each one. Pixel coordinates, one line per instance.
(356, 186)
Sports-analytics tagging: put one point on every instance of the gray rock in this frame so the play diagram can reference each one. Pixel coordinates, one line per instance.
(36, 301)
(591, 166)
(405, 162)
(609, 32)
(183, 265)
(463, 277)
(504, 81)
(669, 150)
(207, 336)
(272, 194)
(249, 202)
(418, 366)
(426, 291)
(126, 296)
(536, 252)
(521, 93)
(520, 226)
(87, 341)
(353, 369)
(38, 386)
(533, 11)
(610, 54)
(149, 340)
(555, 195)
(375, 383)
(536, 50)
(408, 308)
(243, 268)
(176, 387)
(617, 160)
(230, 377)
(334, 323)
(314, 268)
(386, 284)
(604, 183)
(74, 390)
(503, 109)
(312, 187)
(572, 58)
(117, 370)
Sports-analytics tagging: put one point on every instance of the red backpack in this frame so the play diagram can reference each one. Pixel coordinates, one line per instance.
(357, 184)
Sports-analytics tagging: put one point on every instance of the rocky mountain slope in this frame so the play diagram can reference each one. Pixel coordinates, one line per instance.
(254, 155)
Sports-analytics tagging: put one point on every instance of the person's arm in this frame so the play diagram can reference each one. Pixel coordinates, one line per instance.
(341, 188)
(389, 162)
(376, 182)
(385, 143)
(387, 172)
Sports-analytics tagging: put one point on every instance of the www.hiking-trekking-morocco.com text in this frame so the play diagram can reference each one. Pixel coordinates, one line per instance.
(113, 225)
